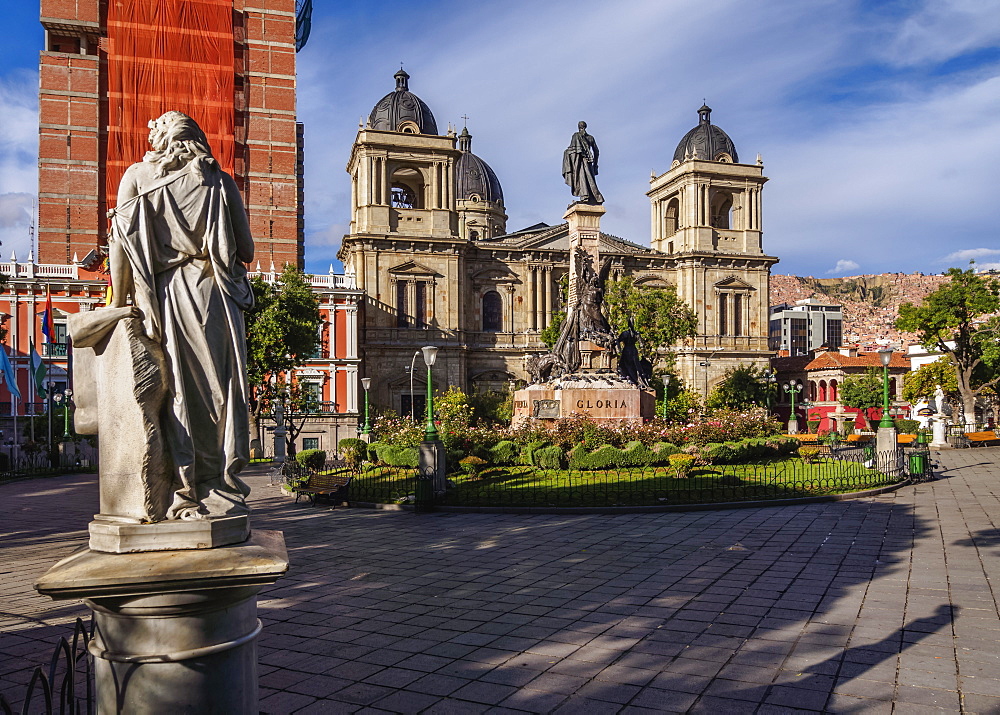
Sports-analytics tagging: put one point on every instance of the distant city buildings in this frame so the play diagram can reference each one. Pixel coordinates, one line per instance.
(805, 325)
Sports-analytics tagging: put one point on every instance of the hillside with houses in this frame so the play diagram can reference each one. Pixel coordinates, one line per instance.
(870, 302)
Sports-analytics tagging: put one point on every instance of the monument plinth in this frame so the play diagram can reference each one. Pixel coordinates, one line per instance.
(172, 570)
(603, 397)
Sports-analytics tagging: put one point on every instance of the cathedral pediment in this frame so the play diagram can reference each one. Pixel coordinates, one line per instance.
(495, 274)
(734, 283)
(412, 268)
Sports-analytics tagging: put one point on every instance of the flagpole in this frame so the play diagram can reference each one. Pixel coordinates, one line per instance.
(53, 460)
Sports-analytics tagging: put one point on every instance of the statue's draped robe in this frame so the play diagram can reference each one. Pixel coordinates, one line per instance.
(187, 238)
(579, 168)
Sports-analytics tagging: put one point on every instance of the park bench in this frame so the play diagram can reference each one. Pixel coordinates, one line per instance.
(982, 439)
(332, 487)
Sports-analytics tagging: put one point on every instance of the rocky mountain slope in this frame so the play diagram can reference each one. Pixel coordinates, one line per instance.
(870, 303)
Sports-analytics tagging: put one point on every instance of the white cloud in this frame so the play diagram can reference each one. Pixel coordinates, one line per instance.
(969, 254)
(844, 266)
(18, 158)
(942, 29)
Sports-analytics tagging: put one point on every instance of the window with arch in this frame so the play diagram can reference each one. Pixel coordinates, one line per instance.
(722, 210)
(731, 313)
(492, 312)
(833, 390)
(822, 390)
(473, 235)
(671, 217)
(812, 391)
(403, 197)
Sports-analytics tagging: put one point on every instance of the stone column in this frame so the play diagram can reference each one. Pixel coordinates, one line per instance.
(584, 232)
(547, 295)
(533, 296)
(175, 631)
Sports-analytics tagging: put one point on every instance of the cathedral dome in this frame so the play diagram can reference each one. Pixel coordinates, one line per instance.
(475, 177)
(402, 111)
(706, 142)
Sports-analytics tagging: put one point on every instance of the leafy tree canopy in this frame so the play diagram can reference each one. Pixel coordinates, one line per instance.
(659, 315)
(282, 331)
(742, 387)
(959, 319)
(923, 381)
(862, 392)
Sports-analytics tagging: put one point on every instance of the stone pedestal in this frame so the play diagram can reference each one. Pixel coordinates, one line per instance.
(585, 231)
(602, 397)
(432, 464)
(939, 432)
(175, 631)
(793, 426)
(887, 452)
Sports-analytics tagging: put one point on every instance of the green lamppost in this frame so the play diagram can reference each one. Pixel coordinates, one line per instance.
(366, 383)
(885, 356)
(770, 378)
(666, 384)
(430, 355)
(793, 388)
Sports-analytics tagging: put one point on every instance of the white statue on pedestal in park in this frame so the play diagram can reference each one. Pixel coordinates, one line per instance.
(179, 241)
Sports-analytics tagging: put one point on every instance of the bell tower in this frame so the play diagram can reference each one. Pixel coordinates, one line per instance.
(706, 212)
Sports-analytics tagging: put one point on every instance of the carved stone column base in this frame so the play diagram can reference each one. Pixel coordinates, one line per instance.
(174, 631)
(117, 536)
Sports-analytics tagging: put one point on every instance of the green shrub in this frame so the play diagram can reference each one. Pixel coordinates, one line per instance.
(662, 452)
(373, 448)
(809, 454)
(682, 464)
(813, 426)
(311, 458)
(636, 454)
(353, 450)
(907, 426)
(503, 453)
(397, 456)
(548, 457)
(527, 455)
(472, 465)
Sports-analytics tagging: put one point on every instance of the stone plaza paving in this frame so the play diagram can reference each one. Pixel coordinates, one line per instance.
(882, 604)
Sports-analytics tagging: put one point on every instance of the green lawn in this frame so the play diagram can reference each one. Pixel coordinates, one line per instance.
(528, 486)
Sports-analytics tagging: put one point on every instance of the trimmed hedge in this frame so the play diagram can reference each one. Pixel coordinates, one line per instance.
(635, 454)
(548, 457)
(311, 458)
(503, 453)
(527, 455)
(353, 450)
(396, 456)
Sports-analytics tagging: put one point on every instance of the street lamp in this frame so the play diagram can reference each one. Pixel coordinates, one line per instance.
(413, 403)
(793, 388)
(770, 378)
(666, 384)
(885, 355)
(58, 398)
(430, 355)
(366, 383)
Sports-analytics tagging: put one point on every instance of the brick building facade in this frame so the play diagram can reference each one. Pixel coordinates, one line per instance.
(106, 66)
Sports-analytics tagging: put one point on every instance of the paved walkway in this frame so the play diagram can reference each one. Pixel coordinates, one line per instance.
(876, 605)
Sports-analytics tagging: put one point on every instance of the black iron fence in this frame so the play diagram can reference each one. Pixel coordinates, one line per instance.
(838, 471)
(67, 685)
(38, 462)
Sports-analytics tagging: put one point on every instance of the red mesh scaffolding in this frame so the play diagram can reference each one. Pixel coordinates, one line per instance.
(168, 55)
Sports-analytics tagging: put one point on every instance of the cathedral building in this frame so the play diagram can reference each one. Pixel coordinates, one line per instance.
(431, 251)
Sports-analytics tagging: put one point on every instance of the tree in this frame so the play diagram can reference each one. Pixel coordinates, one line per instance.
(659, 315)
(300, 404)
(742, 387)
(862, 392)
(923, 381)
(282, 333)
(958, 319)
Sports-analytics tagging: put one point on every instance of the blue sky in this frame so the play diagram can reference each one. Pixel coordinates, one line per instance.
(878, 122)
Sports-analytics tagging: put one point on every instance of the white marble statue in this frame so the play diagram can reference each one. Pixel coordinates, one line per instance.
(178, 245)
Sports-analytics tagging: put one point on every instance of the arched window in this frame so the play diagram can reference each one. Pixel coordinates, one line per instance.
(671, 218)
(722, 209)
(473, 235)
(812, 391)
(492, 312)
(833, 390)
(892, 388)
(822, 390)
